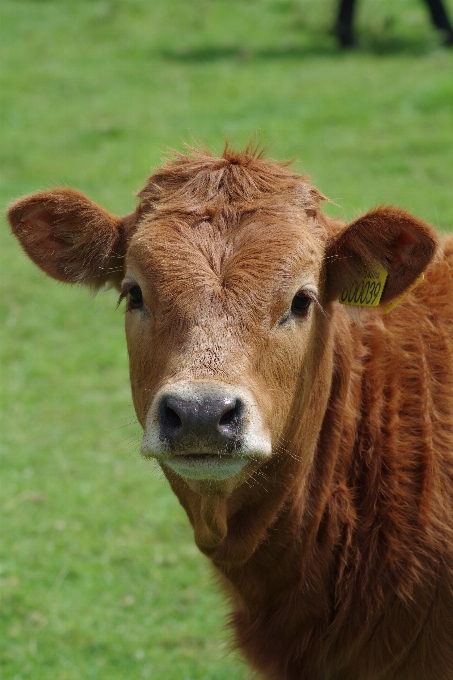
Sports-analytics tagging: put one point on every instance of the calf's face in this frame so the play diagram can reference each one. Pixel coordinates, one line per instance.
(231, 274)
(220, 326)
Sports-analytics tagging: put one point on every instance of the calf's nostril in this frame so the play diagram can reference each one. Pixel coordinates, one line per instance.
(229, 423)
(230, 416)
(170, 420)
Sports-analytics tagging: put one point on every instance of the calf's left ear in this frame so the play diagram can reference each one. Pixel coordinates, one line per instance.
(71, 238)
(401, 243)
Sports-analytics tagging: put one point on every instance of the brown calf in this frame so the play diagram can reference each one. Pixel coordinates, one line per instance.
(311, 449)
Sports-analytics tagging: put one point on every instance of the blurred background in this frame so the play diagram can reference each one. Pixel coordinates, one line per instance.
(100, 574)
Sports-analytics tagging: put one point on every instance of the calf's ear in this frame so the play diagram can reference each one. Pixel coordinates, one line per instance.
(401, 243)
(69, 237)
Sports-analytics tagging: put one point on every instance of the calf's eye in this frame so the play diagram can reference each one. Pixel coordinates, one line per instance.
(135, 297)
(301, 303)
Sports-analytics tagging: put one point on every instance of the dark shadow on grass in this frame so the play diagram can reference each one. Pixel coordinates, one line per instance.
(369, 44)
(242, 53)
(390, 43)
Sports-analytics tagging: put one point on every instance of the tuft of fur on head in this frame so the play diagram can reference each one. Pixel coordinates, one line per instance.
(198, 181)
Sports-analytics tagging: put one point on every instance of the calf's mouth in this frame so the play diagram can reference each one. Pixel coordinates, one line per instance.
(204, 466)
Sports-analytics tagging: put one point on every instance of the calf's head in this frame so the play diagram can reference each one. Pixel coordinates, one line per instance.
(231, 275)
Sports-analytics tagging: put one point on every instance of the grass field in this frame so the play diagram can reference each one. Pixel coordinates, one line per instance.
(100, 575)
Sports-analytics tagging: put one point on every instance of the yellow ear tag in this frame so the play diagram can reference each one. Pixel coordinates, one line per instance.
(394, 303)
(366, 289)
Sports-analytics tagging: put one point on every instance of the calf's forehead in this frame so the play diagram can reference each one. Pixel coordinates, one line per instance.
(258, 250)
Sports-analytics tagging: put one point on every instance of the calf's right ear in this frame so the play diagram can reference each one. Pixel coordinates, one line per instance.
(399, 242)
(71, 238)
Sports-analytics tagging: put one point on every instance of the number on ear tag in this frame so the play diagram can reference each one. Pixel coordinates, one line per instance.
(367, 287)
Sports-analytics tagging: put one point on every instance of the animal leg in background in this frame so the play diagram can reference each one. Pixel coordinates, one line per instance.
(441, 20)
(345, 19)
(343, 26)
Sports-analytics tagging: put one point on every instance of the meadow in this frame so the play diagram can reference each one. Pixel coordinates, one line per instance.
(100, 575)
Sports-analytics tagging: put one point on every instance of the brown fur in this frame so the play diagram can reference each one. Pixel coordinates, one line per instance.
(337, 550)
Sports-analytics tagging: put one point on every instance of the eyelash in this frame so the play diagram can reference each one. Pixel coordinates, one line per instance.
(131, 304)
(292, 312)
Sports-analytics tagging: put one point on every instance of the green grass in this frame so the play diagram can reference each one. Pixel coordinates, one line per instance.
(101, 578)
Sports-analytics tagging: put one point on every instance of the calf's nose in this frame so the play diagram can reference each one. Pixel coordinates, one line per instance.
(214, 420)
